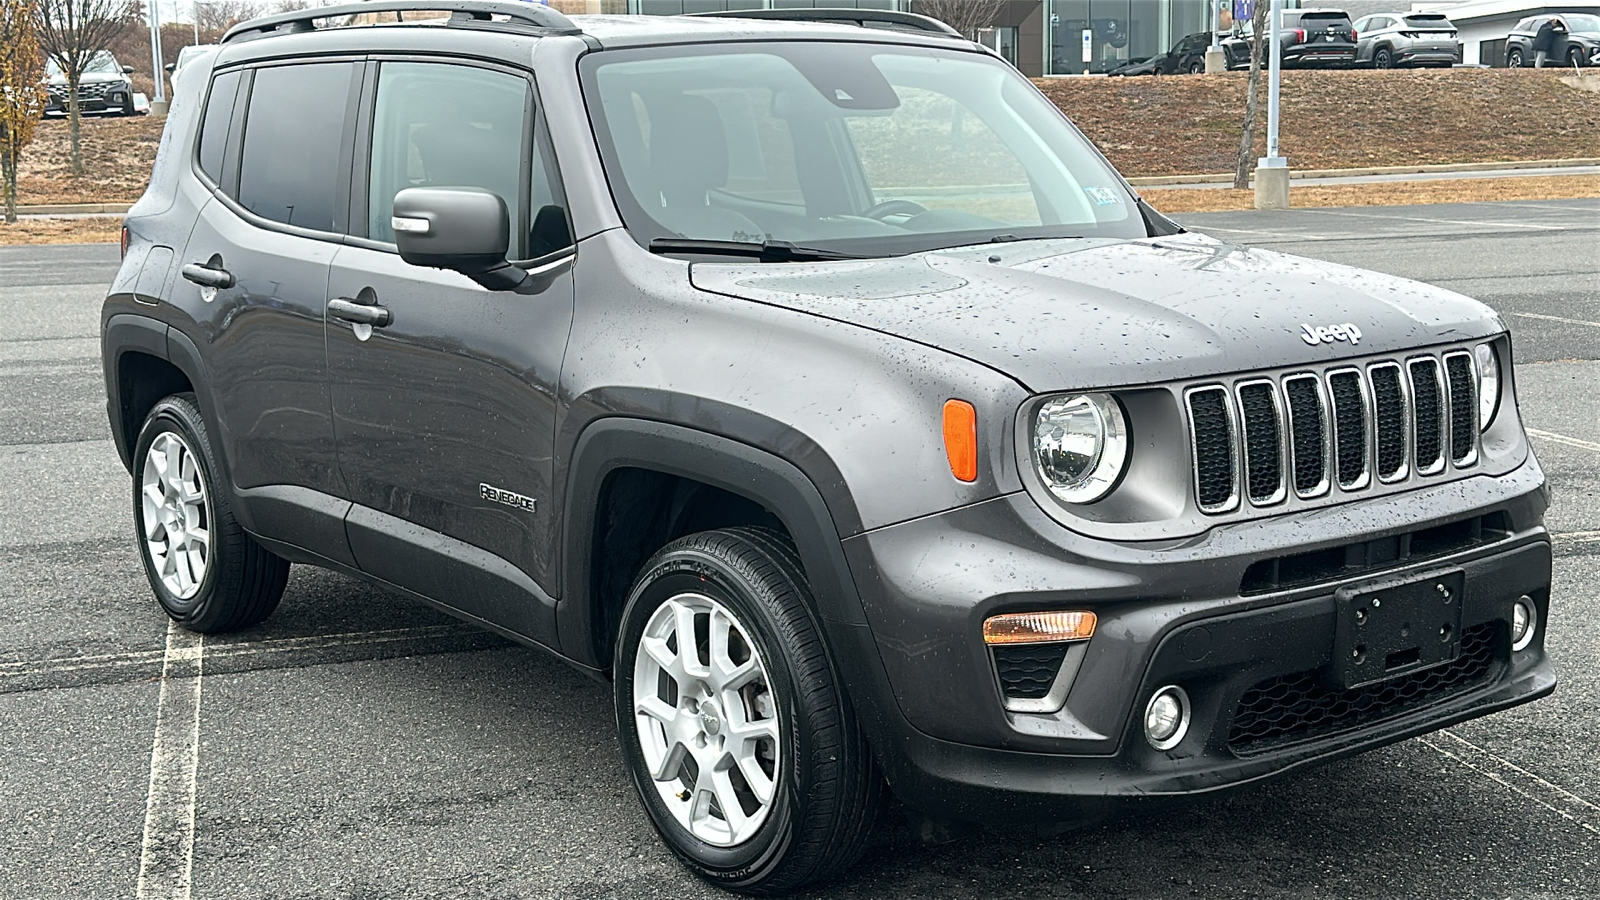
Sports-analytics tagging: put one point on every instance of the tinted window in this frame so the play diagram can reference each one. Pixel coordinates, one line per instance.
(290, 169)
(214, 127)
(438, 125)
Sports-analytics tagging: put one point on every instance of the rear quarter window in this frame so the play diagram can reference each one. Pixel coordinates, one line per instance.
(214, 125)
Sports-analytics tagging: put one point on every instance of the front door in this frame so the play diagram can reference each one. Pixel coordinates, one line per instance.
(444, 417)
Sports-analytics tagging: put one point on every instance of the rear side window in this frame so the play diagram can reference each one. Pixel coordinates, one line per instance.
(289, 172)
(214, 127)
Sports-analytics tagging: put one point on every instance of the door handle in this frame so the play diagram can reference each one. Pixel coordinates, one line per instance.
(206, 276)
(358, 313)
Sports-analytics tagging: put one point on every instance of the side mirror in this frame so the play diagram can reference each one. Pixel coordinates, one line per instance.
(462, 229)
(127, 70)
(169, 67)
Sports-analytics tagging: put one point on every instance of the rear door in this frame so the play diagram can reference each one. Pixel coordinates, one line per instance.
(445, 416)
(275, 148)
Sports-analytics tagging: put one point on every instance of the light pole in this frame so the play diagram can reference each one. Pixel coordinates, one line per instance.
(1216, 61)
(158, 103)
(1272, 170)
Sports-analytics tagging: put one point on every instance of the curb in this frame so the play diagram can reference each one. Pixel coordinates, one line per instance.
(1297, 174)
(67, 209)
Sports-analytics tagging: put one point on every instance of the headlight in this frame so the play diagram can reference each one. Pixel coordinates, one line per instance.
(1080, 446)
(1488, 384)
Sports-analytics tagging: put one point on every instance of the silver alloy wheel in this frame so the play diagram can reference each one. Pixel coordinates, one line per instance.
(176, 514)
(707, 719)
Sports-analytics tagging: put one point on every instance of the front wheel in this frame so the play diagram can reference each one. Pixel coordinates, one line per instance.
(207, 573)
(737, 734)
(1575, 57)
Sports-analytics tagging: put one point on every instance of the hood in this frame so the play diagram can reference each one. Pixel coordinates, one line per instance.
(1092, 313)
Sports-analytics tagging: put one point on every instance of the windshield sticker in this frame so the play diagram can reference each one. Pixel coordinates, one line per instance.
(1103, 196)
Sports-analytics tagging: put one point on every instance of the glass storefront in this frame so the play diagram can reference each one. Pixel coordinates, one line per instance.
(1099, 35)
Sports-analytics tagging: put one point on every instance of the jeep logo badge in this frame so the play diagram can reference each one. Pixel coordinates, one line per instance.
(1327, 334)
(497, 495)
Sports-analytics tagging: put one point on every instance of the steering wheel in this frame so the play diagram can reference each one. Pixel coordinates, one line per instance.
(887, 208)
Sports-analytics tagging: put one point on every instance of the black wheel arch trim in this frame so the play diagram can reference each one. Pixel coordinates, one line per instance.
(122, 334)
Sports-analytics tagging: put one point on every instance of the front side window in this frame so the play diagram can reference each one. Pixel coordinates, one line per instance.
(296, 121)
(862, 148)
(443, 125)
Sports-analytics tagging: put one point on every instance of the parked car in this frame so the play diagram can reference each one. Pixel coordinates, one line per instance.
(1580, 47)
(1389, 40)
(1187, 56)
(185, 56)
(1309, 38)
(824, 389)
(103, 87)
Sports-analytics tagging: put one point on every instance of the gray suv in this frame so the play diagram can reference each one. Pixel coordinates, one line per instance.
(1391, 40)
(822, 389)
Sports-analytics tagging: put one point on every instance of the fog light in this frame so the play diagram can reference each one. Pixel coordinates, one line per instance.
(1524, 621)
(1166, 718)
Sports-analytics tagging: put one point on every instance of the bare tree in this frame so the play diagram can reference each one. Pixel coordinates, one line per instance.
(72, 32)
(22, 92)
(217, 16)
(965, 16)
(1252, 102)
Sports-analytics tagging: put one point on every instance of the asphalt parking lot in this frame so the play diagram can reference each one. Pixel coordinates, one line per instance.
(360, 745)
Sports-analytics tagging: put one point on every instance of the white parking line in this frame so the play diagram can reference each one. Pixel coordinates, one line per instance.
(1553, 797)
(1557, 319)
(1563, 439)
(1469, 224)
(167, 858)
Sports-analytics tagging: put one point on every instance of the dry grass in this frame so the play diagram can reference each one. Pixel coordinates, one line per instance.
(1186, 124)
(101, 229)
(117, 156)
(1464, 190)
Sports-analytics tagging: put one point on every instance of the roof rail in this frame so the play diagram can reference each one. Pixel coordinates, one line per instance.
(862, 17)
(300, 20)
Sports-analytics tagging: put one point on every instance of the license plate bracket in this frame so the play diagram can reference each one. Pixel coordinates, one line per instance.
(1390, 628)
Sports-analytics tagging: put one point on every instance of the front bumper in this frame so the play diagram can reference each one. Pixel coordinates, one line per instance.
(1171, 614)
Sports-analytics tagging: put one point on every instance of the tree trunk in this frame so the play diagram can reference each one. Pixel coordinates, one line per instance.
(1247, 140)
(72, 124)
(8, 170)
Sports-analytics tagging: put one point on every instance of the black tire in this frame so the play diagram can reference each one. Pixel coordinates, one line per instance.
(1514, 58)
(829, 794)
(1383, 58)
(242, 581)
(1196, 67)
(1575, 57)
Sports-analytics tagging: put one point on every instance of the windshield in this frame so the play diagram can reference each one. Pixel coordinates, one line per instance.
(191, 51)
(865, 149)
(102, 63)
(1578, 22)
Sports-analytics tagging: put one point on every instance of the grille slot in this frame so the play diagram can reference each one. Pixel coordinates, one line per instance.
(1349, 428)
(1288, 709)
(1211, 435)
(1463, 394)
(1260, 422)
(1389, 420)
(1308, 434)
(1427, 398)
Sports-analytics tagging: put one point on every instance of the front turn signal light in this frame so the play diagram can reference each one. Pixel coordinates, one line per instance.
(961, 439)
(1038, 627)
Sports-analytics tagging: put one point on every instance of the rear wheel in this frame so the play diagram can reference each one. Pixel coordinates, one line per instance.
(208, 575)
(1383, 58)
(1196, 67)
(1514, 58)
(738, 736)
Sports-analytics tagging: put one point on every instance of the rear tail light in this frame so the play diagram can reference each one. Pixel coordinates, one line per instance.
(125, 238)
(1299, 35)
(1354, 34)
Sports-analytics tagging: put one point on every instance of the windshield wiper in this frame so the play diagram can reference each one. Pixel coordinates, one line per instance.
(765, 251)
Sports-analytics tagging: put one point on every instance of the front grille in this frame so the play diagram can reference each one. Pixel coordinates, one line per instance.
(1353, 426)
(1288, 709)
(1028, 670)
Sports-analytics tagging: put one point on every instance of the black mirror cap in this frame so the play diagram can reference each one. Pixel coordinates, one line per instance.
(466, 229)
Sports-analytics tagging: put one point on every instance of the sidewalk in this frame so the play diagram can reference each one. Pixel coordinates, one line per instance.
(1385, 174)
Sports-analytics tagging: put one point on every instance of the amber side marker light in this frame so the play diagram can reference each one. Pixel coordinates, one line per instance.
(961, 439)
(1038, 627)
